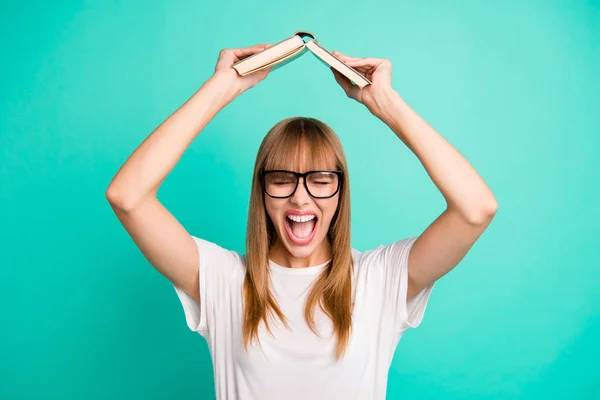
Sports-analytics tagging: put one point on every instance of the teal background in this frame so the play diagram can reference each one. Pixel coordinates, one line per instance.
(512, 85)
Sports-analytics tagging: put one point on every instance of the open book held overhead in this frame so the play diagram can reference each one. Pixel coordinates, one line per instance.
(293, 47)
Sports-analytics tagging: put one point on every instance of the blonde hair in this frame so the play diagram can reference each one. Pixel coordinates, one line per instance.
(294, 142)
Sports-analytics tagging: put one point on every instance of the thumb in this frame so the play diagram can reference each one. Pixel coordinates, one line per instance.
(344, 83)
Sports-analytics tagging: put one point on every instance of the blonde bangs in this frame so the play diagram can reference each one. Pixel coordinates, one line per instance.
(303, 147)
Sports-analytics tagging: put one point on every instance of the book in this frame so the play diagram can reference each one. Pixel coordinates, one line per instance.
(292, 48)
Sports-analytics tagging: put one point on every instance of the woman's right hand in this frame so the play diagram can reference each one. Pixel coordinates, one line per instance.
(239, 84)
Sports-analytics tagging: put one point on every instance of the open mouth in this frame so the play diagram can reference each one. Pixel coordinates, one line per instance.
(301, 230)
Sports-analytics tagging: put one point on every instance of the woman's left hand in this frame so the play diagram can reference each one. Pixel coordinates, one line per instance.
(377, 70)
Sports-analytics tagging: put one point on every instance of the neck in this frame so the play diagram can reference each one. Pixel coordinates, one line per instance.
(281, 255)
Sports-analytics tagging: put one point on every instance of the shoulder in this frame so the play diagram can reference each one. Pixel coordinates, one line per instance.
(379, 258)
(218, 260)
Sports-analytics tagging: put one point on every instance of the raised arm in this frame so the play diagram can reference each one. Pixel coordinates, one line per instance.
(132, 193)
(471, 204)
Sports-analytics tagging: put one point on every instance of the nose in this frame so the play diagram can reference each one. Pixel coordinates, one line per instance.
(300, 196)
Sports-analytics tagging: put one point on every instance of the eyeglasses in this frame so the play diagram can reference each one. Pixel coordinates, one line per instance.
(320, 184)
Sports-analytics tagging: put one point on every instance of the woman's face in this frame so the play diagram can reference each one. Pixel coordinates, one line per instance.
(302, 240)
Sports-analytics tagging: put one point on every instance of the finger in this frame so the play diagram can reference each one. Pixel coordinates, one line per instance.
(343, 56)
(363, 71)
(364, 62)
(262, 74)
(344, 83)
(364, 68)
(252, 48)
(246, 51)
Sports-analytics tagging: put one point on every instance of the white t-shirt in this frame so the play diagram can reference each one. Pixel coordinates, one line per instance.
(297, 364)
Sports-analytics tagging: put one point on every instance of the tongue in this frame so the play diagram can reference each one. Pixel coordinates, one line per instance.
(302, 229)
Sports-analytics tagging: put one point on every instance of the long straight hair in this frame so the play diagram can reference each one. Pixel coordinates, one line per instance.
(289, 144)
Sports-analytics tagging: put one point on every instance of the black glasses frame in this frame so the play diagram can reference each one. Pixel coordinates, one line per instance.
(299, 175)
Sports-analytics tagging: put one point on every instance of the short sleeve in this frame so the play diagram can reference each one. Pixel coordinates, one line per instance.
(393, 258)
(218, 270)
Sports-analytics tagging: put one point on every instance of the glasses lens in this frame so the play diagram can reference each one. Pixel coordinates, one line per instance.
(322, 184)
(282, 184)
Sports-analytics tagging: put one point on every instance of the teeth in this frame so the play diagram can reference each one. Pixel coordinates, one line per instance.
(298, 218)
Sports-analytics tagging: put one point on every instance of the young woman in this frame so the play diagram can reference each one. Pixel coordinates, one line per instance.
(302, 315)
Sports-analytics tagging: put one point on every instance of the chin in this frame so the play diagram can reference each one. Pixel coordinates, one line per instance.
(301, 251)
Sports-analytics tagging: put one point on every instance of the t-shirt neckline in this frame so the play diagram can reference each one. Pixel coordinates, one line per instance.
(313, 269)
